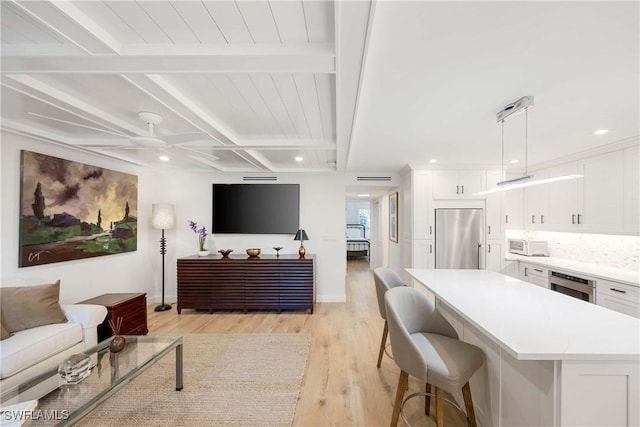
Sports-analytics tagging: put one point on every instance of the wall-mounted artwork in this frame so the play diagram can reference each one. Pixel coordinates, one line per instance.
(70, 210)
(393, 217)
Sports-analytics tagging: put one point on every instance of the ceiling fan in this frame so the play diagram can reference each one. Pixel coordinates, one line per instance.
(150, 141)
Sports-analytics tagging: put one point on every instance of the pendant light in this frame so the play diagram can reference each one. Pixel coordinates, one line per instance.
(526, 180)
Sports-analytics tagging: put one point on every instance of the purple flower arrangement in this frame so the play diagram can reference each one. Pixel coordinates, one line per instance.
(201, 232)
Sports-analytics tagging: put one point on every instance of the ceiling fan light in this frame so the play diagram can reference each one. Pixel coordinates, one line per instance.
(164, 158)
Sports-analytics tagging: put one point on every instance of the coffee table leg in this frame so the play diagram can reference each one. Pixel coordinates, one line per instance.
(179, 367)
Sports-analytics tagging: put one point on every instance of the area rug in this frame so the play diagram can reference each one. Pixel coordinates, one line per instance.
(229, 380)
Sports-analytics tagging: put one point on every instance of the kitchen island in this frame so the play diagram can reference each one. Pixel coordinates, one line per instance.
(551, 360)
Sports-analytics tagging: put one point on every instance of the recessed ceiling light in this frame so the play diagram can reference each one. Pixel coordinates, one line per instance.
(433, 161)
(363, 194)
(164, 158)
(299, 158)
(514, 161)
(601, 131)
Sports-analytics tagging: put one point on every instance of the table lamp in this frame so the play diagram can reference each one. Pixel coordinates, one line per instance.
(302, 236)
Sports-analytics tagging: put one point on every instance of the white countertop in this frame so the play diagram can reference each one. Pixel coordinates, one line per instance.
(630, 277)
(533, 323)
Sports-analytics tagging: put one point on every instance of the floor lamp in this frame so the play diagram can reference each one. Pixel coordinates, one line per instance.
(163, 218)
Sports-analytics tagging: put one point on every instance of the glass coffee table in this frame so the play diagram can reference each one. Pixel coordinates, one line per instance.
(67, 404)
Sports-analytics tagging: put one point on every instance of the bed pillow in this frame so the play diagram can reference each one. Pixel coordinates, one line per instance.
(30, 306)
(354, 233)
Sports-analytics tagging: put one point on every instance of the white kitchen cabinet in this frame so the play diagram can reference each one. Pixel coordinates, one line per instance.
(423, 254)
(494, 205)
(601, 193)
(562, 206)
(512, 269)
(535, 204)
(535, 274)
(591, 204)
(631, 199)
(514, 207)
(617, 296)
(495, 256)
(454, 184)
(422, 211)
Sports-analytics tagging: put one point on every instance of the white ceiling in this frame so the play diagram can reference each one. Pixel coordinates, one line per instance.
(349, 86)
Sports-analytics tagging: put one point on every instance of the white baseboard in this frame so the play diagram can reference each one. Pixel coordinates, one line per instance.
(332, 298)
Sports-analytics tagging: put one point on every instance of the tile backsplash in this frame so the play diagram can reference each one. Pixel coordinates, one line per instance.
(602, 249)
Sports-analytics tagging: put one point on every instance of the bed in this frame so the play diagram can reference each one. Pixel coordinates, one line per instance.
(357, 242)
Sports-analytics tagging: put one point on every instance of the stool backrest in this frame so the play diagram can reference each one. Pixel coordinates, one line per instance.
(385, 279)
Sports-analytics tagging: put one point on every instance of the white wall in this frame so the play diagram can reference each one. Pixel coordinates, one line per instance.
(322, 216)
(322, 199)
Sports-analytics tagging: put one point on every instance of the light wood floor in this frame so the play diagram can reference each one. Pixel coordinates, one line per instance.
(342, 386)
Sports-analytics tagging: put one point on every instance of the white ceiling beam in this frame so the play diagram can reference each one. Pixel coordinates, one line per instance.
(47, 13)
(78, 104)
(89, 25)
(180, 59)
(353, 24)
(166, 93)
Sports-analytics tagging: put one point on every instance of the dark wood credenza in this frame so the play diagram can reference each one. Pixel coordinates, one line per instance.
(246, 283)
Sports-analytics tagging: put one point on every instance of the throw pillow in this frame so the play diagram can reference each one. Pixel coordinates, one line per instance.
(4, 333)
(30, 306)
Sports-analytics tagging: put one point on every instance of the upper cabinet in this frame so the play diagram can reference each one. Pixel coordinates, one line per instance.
(536, 204)
(631, 190)
(451, 184)
(604, 200)
(495, 201)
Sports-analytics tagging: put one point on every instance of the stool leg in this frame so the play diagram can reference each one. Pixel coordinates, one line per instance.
(427, 400)
(385, 331)
(439, 408)
(403, 381)
(468, 405)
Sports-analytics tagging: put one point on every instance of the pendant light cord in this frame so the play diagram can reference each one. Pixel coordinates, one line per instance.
(504, 175)
(526, 142)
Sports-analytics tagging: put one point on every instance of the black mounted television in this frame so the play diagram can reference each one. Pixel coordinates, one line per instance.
(256, 208)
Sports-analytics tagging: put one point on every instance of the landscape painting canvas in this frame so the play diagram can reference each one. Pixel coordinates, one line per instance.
(70, 210)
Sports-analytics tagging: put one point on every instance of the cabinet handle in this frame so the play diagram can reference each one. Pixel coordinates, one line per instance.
(538, 270)
(430, 249)
(462, 189)
(457, 189)
(506, 219)
(579, 219)
(618, 290)
(541, 219)
(489, 248)
(526, 271)
(489, 230)
(533, 219)
(430, 230)
(573, 218)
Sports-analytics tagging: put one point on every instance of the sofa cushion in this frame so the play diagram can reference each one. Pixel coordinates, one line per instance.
(30, 306)
(33, 345)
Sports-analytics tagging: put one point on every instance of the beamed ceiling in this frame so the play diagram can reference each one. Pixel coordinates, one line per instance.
(354, 86)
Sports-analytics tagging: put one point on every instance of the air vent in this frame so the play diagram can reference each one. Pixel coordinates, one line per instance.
(374, 178)
(259, 178)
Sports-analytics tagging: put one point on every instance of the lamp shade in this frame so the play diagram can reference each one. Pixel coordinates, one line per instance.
(163, 216)
(301, 235)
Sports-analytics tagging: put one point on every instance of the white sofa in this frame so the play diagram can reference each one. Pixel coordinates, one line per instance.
(32, 352)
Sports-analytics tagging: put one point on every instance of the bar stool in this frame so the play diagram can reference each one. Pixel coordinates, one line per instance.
(426, 346)
(384, 279)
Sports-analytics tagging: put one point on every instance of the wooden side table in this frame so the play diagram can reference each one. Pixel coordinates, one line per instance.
(131, 307)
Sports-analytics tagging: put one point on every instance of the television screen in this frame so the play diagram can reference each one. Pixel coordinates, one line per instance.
(256, 208)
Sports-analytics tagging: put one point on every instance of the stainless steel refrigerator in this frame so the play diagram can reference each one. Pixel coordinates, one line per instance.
(458, 238)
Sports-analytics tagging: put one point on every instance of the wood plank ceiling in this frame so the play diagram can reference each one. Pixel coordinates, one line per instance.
(251, 83)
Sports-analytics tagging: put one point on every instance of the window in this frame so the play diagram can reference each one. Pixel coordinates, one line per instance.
(363, 217)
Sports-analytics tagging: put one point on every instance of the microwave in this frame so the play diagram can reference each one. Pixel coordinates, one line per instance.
(528, 247)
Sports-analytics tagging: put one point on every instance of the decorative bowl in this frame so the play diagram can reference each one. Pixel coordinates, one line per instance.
(253, 252)
(225, 252)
